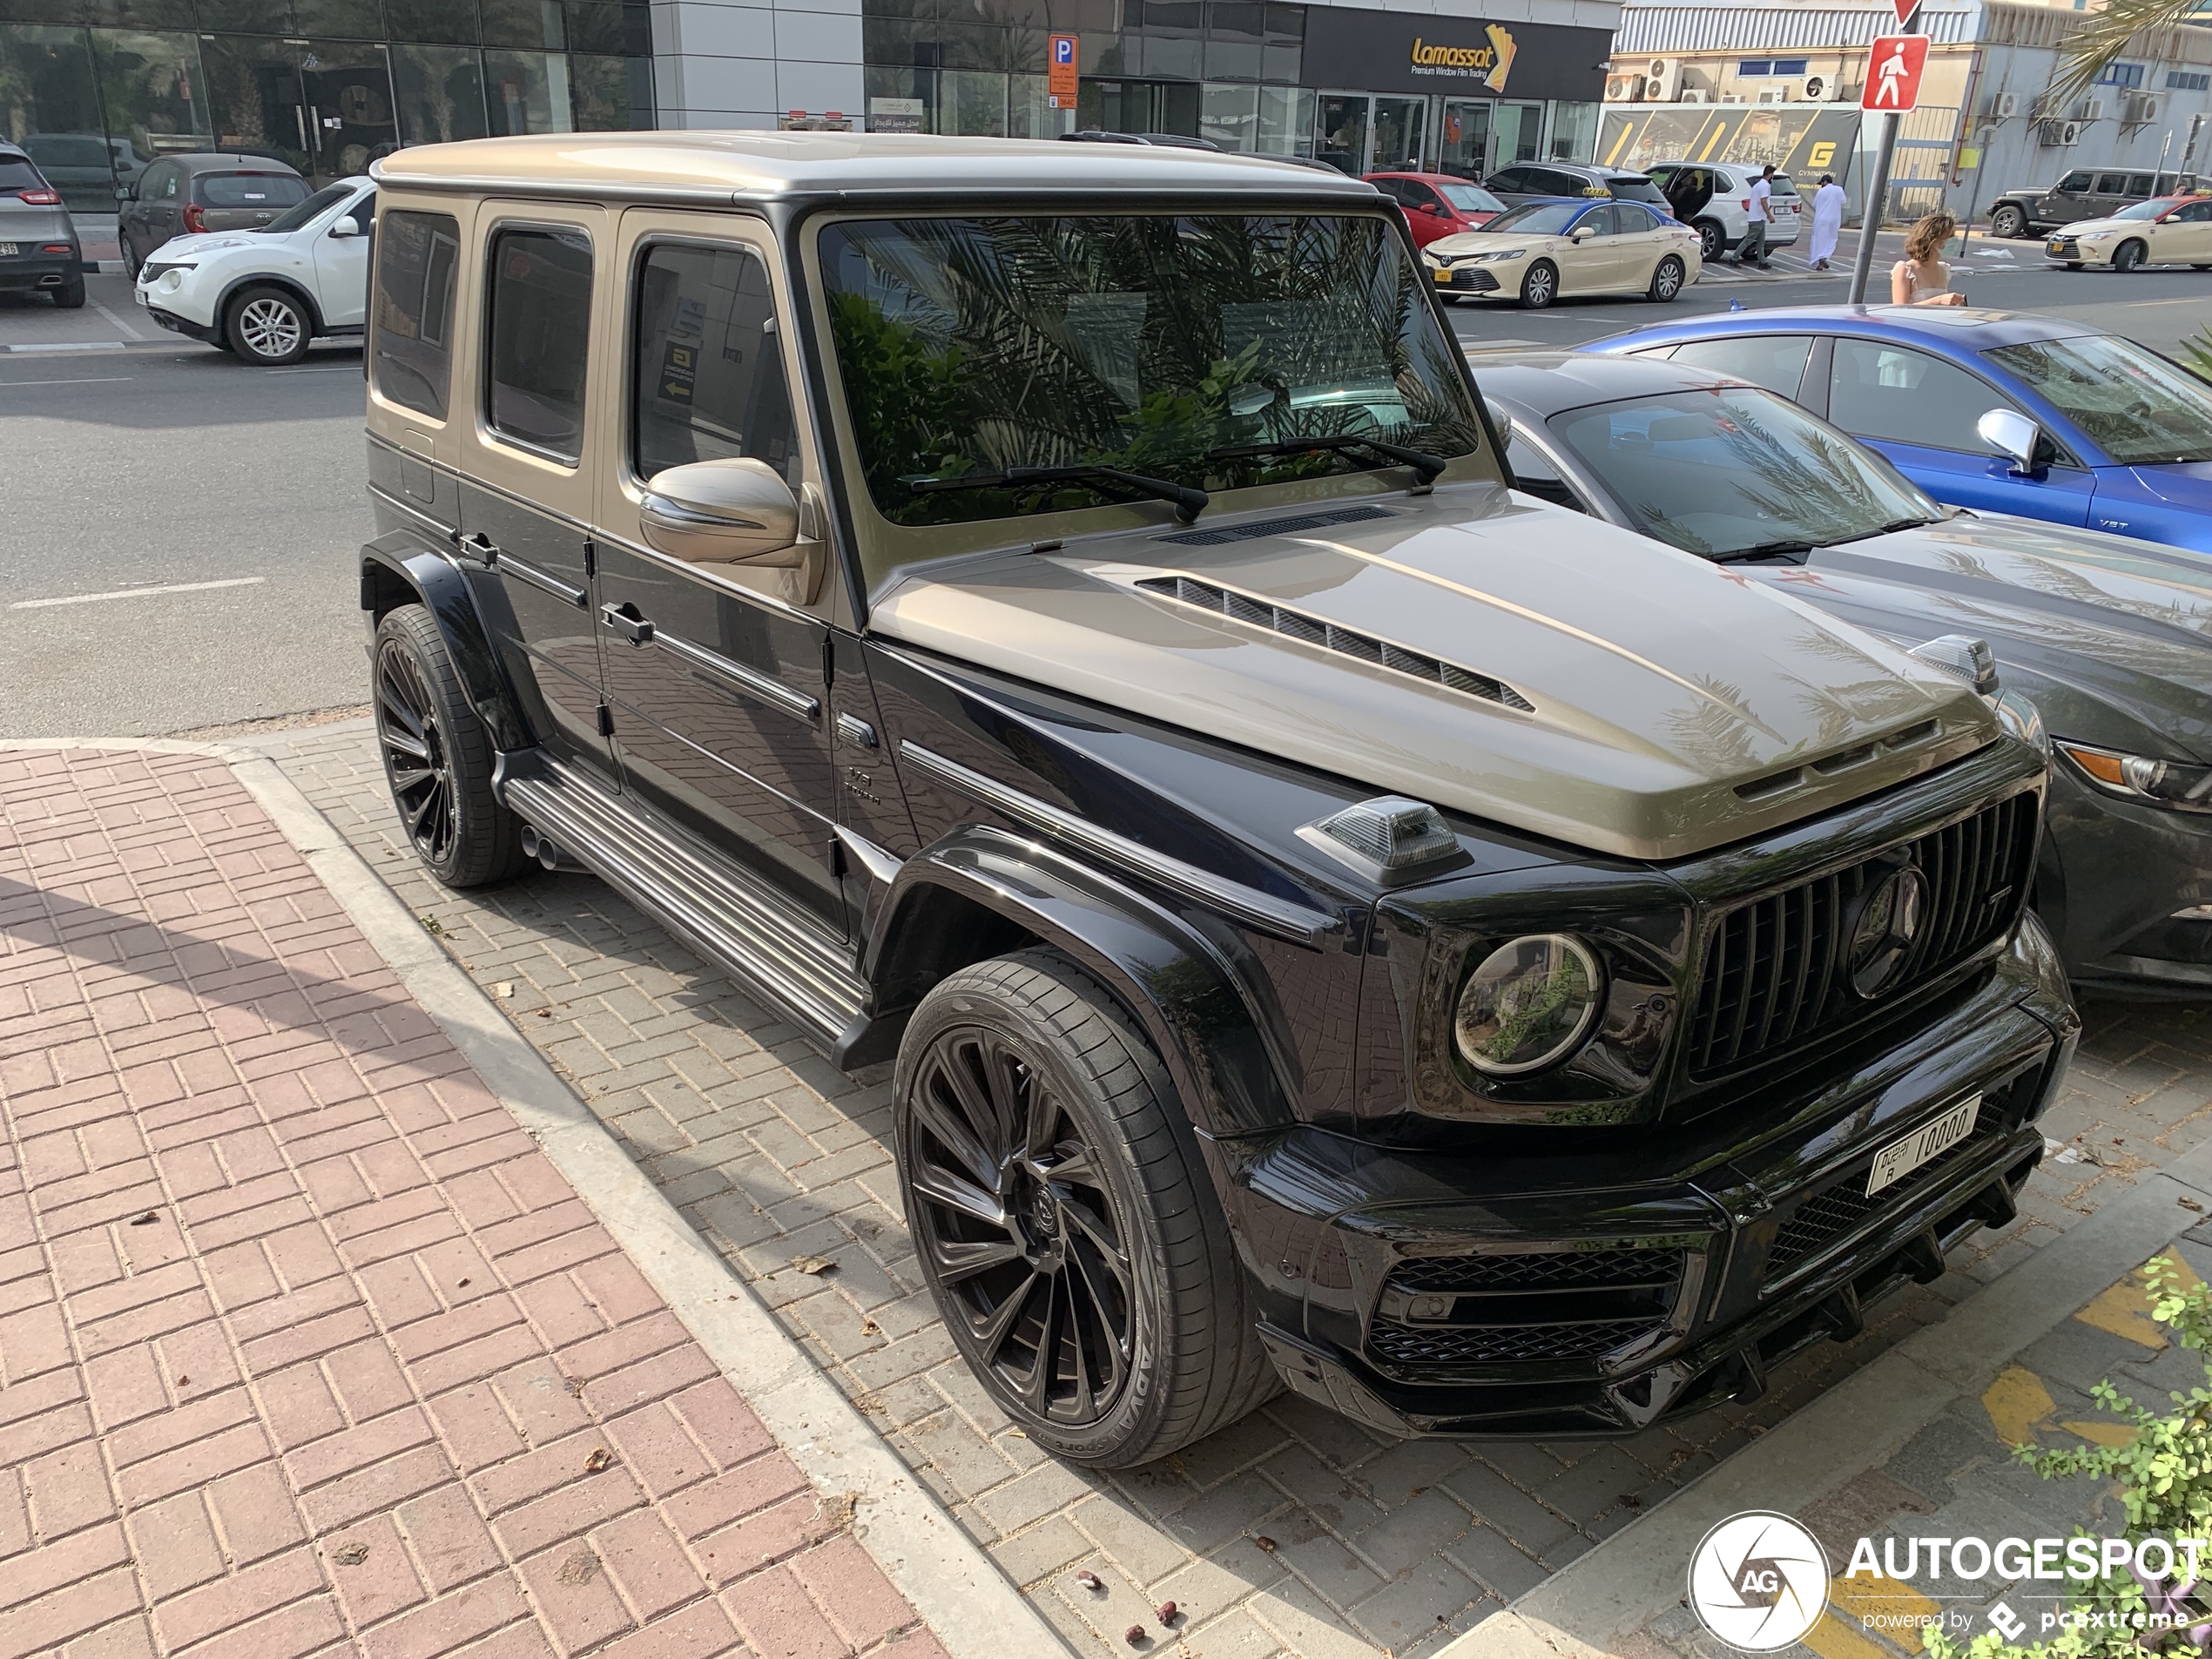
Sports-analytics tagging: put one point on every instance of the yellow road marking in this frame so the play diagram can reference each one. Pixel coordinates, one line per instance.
(2016, 1402)
(2102, 1434)
(1833, 1639)
(1861, 1598)
(2124, 1309)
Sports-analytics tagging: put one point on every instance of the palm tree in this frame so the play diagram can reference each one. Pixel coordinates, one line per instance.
(2105, 36)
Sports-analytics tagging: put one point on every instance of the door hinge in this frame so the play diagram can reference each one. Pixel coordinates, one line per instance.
(590, 559)
(606, 721)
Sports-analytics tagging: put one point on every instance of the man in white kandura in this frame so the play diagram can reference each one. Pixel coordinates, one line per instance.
(1827, 221)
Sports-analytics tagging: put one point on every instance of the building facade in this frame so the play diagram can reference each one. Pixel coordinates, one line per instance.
(1723, 81)
(324, 84)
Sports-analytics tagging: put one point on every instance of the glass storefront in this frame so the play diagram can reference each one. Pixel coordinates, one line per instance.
(1233, 73)
(95, 90)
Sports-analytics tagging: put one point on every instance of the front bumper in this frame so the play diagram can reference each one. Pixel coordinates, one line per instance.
(1742, 1254)
(186, 326)
(1466, 279)
(2113, 876)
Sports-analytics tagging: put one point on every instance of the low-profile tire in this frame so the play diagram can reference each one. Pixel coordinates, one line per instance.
(1063, 1217)
(266, 326)
(2129, 257)
(438, 757)
(1666, 280)
(71, 295)
(1712, 241)
(2009, 222)
(1540, 287)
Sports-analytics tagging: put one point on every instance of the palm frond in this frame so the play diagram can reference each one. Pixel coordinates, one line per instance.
(2103, 36)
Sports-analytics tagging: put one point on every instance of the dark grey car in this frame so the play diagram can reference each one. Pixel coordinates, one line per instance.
(184, 195)
(39, 248)
(2085, 192)
(1530, 181)
(2108, 637)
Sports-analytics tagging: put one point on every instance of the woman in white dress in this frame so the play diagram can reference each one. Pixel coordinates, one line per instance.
(1827, 221)
(1921, 278)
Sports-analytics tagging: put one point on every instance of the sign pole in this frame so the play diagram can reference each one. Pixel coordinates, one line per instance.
(1870, 220)
(1893, 66)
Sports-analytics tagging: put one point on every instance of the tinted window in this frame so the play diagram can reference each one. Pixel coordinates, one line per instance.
(2194, 213)
(1415, 194)
(412, 355)
(1783, 187)
(1903, 396)
(2074, 181)
(1776, 361)
(709, 373)
(1634, 219)
(1510, 179)
(19, 175)
(2111, 184)
(1637, 189)
(251, 189)
(2139, 184)
(540, 317)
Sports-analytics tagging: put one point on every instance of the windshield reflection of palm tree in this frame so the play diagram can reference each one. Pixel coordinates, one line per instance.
(1014, 347)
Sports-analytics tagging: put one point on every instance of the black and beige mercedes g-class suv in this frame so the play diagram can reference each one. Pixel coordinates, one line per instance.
(1051, 616)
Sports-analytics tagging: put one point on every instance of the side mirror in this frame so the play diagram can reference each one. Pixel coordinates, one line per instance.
(1583, 232)
(345, 227)
(126, 192)
(1500, 420)
(733, 511)
(2009, 433)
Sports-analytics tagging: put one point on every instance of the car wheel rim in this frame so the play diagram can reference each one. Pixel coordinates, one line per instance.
(414, 754)
(1540, 287)
(270, 327)
(1670, 279)
(1015, 1222)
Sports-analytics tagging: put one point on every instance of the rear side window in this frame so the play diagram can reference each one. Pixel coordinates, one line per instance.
(1903, 396)
(540, 318)
(250, 190)
(412, 355)
(709, 372)
(1776, 361)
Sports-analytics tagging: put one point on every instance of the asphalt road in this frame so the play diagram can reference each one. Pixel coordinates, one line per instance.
(178, 531)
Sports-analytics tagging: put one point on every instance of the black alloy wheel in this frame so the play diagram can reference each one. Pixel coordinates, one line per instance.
(2008, 221)
(2129, 256)
(437, 757)
(1064, 1218)
(1712, 241)
(1666, 280)
(1541, 286)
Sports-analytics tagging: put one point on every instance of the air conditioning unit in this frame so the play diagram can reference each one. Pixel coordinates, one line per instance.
(1775, 94)
(1625, 89)
(1693, 95)
(1730, 98)
(2093, 109)
(1823, 89)
(2003, 106)
(1662, 80)
(2058, 135)
(2143, 107)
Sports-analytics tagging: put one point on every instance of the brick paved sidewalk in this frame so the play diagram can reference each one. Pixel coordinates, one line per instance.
(304, 1348)
(771, 1153)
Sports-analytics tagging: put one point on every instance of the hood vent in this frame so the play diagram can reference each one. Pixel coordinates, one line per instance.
(1275, 527)
(1782, 783)
(1312, 630)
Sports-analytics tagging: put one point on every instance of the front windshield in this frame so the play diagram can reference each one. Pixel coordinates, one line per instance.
(1471, 199)
(328, 196)
(1536, 219)
(1136, 343)
(1734, 471)
(2136, 407)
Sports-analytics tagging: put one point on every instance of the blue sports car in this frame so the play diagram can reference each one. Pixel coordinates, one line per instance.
(1997, 410)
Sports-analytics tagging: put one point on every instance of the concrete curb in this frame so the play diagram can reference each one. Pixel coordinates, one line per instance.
(1585, 1608)
(975, 1611)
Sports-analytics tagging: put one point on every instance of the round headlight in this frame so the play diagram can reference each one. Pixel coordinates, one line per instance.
(1528, 1006)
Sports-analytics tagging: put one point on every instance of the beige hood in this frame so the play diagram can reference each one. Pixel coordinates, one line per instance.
(1672, 705)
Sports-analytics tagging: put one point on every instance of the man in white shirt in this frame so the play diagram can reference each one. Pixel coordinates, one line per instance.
(1760, 211)
(1827, 221)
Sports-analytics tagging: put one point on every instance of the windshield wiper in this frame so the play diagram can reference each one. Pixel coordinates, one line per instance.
(1426, 466)
(1890, 529)
(1189, 502)
(1763, 551)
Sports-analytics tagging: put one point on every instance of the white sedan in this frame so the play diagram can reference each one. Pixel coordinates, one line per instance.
(266, 293)
(2167, 230)
(1543, 249)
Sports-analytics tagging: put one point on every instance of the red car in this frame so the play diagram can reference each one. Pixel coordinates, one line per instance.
(1437, 204)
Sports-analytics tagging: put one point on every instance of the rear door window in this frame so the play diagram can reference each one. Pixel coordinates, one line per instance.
(411, 356)
(1899, 396)
(250, 190)
(2139, 184)
(1776, 361)
(540, 320)
(2111, 184)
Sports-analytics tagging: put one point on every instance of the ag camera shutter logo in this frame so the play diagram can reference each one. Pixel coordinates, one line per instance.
(1758, 1582)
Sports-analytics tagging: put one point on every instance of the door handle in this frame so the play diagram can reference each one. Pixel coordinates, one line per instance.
(624, 620)
(478, 544)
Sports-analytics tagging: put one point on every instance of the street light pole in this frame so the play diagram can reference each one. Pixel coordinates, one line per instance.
(1870, 220)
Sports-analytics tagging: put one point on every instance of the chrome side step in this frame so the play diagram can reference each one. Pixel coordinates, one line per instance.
(769, 942)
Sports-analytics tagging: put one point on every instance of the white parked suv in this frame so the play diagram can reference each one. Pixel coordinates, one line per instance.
(1716, 197)
(266, 293)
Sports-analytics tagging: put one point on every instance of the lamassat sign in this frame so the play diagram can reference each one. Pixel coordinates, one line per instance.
(1371, 51)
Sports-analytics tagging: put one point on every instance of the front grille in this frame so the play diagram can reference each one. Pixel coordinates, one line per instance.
(1775, 974)
(1526, 1308)
(1474, 280)
(1836, 1210)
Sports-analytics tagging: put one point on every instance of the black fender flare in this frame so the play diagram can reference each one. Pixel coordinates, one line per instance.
(1221, 1035)
(438, 583)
